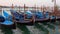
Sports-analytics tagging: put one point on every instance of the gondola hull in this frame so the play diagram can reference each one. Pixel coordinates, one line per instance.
(52, 20)
(30, 23)
(13, 26)
(24, 22)
(58, 18)
(42, 20)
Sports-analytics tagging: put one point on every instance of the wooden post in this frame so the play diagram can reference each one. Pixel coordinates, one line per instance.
(43, 11)
(12, 6)
(24, 12)
(24, 7)
(19, 8)
(55, 10)
(35, 7)
(41, 8)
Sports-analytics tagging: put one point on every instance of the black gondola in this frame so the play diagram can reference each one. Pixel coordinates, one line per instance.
(20, 18)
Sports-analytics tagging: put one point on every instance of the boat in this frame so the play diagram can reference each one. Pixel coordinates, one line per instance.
(7, 23)
(20, 18)
(40, 17)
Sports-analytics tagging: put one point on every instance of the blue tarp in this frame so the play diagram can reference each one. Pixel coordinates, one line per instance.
(6, 22)
(47, 14)
(29, 14)
(6, 15)
(39, 15)
(17, 15)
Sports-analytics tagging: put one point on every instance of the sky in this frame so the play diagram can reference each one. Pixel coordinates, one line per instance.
(28, 2)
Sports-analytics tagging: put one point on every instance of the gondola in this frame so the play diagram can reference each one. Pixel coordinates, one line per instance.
(40, 17)
(52, 18)
(7, 23)
(20, 18)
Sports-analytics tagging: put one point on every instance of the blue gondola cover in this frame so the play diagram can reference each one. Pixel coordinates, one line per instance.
(6, 15)
(39, 15)
(7, 22)
(29, 14)
(47, 14)
(17, 15)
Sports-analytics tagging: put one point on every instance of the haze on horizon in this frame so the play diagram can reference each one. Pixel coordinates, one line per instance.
(28, 2)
